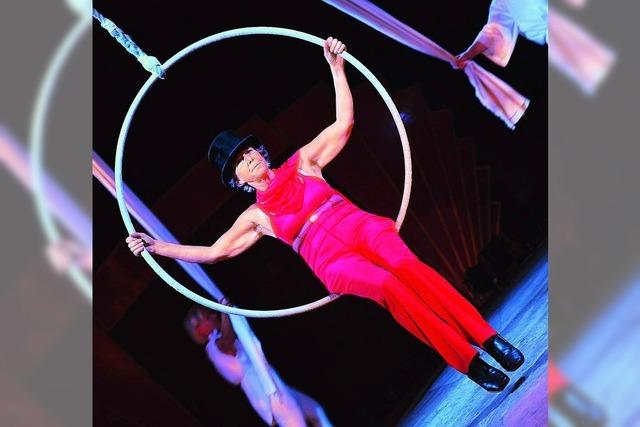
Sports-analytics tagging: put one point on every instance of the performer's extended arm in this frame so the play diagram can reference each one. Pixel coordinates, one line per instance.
(241, 236)
(476, 48)
(227, 340)
(326, 146)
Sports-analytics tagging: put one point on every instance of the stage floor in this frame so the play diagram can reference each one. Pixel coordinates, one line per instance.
(453, 400)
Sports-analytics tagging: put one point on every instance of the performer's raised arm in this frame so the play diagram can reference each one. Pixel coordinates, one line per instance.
(476, 48)
(326, 146)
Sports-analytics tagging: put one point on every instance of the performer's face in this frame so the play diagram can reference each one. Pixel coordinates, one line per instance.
(250, 166)
(202, 323)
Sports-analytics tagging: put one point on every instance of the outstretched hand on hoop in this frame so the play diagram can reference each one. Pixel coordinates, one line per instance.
(140, 241)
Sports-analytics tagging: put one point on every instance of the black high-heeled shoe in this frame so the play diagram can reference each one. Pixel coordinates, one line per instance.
(486, 376)
(509, 357)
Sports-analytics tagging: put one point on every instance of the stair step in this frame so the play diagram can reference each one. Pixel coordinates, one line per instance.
(466, 154)
(442, 124)
(483, 177)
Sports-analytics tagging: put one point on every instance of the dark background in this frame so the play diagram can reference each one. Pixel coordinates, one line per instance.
(350, 356)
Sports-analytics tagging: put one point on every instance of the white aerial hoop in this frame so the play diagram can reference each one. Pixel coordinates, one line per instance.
(241, 32)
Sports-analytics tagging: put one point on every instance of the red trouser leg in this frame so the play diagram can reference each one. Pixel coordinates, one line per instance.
(379, 241)
(352, 274)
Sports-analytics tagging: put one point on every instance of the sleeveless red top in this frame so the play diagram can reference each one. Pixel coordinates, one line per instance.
(292, 198)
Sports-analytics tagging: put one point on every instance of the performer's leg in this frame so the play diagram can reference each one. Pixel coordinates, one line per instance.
(287, 408)
(286, 412)
(353, 274)
(258, 399)
(313, 413)
(379, 241)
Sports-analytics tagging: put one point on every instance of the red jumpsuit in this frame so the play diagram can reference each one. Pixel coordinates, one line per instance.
(357, 253)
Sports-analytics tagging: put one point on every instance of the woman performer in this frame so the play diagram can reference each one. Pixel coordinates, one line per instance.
(287, 407)
(351, 251)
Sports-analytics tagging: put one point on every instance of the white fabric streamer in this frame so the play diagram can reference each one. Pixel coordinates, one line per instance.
(497, 96)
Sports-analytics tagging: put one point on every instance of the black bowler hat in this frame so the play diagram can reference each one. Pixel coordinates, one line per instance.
(224, 149)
